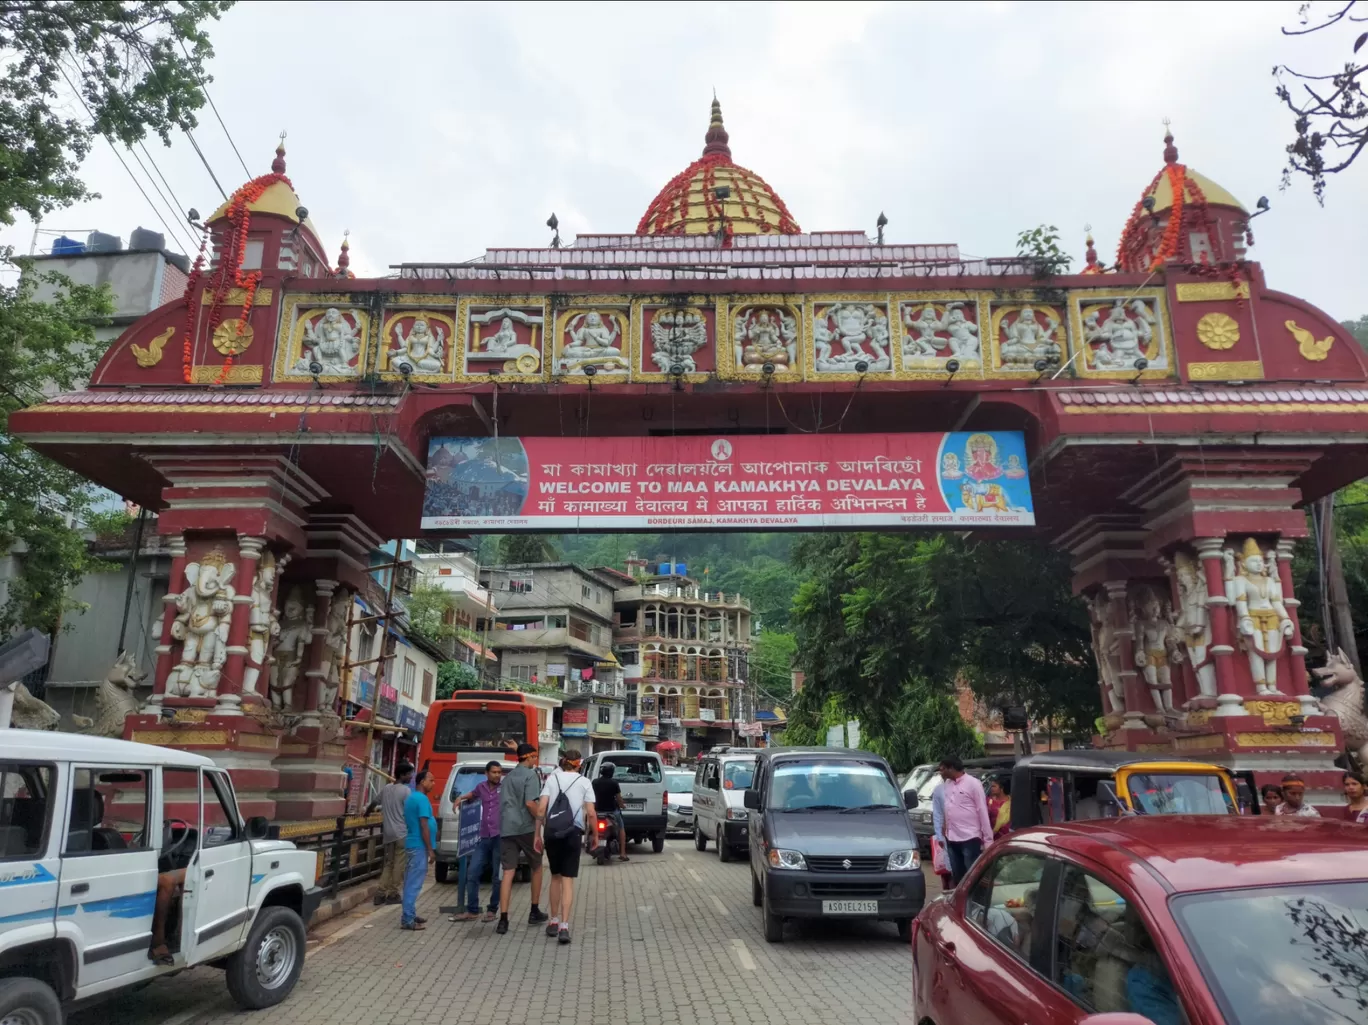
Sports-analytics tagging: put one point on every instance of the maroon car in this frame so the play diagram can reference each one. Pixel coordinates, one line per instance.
(1182, 920)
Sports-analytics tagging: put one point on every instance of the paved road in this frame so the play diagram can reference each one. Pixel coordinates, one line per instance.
(669, 939)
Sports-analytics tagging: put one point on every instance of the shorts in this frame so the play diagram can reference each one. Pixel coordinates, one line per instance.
(511, 846)
(563, 855)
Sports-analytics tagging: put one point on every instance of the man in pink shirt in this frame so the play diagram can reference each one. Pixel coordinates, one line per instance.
(963, 819)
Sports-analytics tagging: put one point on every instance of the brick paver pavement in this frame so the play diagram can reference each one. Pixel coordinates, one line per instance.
(669, 938)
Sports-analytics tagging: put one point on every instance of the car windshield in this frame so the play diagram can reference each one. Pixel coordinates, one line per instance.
(679, 782)
(929, 787)
(1290, 955)
(831, 785)
(1160, 793)
(917, 778)
(464, 780)
(635, 769)
(737, 775)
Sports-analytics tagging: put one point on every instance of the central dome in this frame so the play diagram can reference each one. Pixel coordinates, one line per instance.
(713, 194)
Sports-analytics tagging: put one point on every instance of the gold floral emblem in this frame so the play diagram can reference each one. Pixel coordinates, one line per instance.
(227, 340)
(1218, 331)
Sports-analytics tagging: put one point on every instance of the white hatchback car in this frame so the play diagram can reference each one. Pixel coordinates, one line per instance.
(88, 827)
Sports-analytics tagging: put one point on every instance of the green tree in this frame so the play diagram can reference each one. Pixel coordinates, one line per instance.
(519, 548)
(427, 606)
(771, 663)
(1351, 532)
(1041, 246)
(454, 676)
(137, 68)
(1358, 328)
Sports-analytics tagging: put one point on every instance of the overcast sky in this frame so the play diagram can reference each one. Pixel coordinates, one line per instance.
(433, 131)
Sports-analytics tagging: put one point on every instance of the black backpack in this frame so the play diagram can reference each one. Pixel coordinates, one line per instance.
(560, 819)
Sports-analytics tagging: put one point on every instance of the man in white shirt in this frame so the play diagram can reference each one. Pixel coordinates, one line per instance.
(563, 835)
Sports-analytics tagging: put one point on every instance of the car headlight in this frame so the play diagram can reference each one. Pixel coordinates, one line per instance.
(791, 860)
(904, 861)
(738, 814)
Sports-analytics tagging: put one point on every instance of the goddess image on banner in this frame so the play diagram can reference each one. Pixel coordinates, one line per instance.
(981, 472)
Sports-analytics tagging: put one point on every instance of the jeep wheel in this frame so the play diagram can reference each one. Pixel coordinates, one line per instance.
(724, 853)
(28, 1002)
(441, 870)
(700, 841)
(266, 969)
(658, 843)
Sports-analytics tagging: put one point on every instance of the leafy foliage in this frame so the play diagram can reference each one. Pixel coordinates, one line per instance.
(1330, 111)
(454, 676)
(516, 548)
(1351, 533)
(1041, 247)
(138, 66)
(882, 613)
(427, 606)
(1358, 328)
(771, 664)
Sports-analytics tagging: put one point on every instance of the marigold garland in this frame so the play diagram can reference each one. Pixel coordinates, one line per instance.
(672, 204)
(229, 274)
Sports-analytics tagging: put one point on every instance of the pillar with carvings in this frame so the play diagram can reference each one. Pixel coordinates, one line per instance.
(174, 585)
(230, 680)
(317, 658)
(1230, 691)
(1133, 684)
(1298, 681)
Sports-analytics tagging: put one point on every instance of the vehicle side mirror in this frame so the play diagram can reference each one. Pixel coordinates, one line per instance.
(258, 826)
(910, 798)
(751, 799)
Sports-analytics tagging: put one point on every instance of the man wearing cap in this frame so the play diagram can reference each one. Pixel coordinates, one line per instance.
(520, 833)
(1294, 798)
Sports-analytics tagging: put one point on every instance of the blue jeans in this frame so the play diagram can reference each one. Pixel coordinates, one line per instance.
(414, 876)
(962, 854)
(485, 853)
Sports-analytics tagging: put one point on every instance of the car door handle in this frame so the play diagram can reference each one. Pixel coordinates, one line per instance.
(80, 887)
(209, 874)
(948, 949)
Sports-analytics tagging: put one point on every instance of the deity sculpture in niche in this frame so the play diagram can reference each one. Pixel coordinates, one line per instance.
(1107, 652)
(923, 339)
(203, 611)
(861, 332)
(675, 336)
(1156, 645)
(1261, 618)
(1125, 336)
(332, 343)
(334, 650)
(424, 350)
(263, 620)
(1023, 340)
(592, 339)
(291, 648)
(1194, 620)
(765, 335)
(513, 341)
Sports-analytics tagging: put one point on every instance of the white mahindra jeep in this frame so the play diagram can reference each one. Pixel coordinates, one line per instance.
(88, 829)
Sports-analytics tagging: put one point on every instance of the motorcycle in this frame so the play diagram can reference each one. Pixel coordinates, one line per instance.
(606, 832)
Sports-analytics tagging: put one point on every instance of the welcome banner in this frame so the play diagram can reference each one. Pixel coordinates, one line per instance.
(729, 482)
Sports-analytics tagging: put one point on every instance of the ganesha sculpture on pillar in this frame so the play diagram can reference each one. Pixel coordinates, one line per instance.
(1261, 617)
(203, 612)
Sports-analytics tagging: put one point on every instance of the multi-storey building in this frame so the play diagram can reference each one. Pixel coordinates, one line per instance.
(457, 573)
(685, 653)
(554, 628)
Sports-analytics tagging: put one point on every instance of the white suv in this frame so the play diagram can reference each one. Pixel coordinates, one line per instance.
(87, 827)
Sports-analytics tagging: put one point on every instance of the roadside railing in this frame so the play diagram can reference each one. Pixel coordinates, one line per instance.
(350, 848)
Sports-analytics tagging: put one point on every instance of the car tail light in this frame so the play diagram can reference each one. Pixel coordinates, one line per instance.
(665, 801)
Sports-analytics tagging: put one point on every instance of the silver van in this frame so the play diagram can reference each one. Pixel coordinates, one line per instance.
(641, 775)
(718, 810)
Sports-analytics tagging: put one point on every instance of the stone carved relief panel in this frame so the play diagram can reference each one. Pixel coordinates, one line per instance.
(677, 340)
(1121, 335)
(506, 339)
(766, 333)
(325, 337)
(419, 344)
(594, 337)
(851, 336)
(1027, 337)
(933, 331)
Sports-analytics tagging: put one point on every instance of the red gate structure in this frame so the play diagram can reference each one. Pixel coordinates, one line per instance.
(1177, 414)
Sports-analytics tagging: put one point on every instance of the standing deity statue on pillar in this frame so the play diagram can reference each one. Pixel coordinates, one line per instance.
(1106, 650)
(334, 650)
(263, 620)
(291, 648)
(203, 612)
(1261, 618)
(1194, 621)
(1156, 646)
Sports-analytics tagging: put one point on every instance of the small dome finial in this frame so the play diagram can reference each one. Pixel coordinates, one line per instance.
(716, 139)
(278, 164)
(1170, 150)
(1091, 254)
(344, 257)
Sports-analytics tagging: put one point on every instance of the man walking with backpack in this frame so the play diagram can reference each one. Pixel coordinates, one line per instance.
(567, 809)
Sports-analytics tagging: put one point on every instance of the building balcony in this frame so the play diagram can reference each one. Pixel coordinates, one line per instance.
(546, 638)
(681, 593)
(596, 688)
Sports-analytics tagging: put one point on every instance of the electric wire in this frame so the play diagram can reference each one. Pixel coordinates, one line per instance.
(176, 214)
(204, 88)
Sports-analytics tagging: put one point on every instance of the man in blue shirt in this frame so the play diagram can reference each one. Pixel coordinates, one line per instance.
(422, 830)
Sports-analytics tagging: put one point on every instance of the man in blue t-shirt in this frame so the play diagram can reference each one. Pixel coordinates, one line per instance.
(422, 831)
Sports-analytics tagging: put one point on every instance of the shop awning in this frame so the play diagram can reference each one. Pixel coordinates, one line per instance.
(764, 715)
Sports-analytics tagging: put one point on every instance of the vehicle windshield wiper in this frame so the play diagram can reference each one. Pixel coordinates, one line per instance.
(868, 807)
(815, 807)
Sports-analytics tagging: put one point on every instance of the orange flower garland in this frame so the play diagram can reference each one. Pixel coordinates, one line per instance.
(657, 218)
(232, 255)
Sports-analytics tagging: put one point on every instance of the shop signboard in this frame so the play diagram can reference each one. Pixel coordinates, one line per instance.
(388, 705)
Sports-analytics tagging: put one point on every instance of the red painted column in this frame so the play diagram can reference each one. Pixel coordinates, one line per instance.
(313, 676)
(230, 678)
(1297, 683)
(1229, 693)
(1136, 697)
(175, 585)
